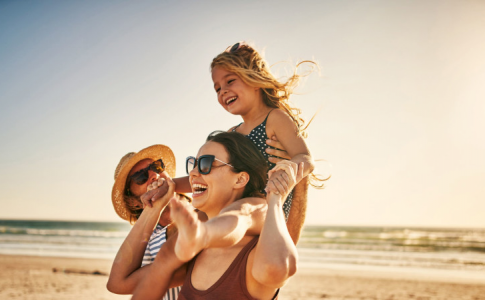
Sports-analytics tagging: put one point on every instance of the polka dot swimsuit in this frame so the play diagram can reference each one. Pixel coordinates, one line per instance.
(258, 136)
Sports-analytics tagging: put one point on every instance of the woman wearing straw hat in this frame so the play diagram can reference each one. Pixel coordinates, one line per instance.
(135, 174)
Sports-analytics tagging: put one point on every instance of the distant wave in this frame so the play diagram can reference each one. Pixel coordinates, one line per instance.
(395, 239)
(62, 232)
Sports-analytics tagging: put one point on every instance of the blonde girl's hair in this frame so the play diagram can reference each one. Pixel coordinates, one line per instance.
(250, 66)
(253, 70)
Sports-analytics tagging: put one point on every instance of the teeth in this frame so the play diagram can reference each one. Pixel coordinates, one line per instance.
(230, 100)
(198, 188)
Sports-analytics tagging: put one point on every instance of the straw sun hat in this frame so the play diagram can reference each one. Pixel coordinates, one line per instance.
(124, 167)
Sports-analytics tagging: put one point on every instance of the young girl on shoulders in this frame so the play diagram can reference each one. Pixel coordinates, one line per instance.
(245, 86)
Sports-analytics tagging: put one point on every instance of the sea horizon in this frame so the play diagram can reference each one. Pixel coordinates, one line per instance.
(458, 227)
(450, 252)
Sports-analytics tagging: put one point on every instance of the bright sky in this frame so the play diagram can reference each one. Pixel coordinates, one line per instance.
(402, 95)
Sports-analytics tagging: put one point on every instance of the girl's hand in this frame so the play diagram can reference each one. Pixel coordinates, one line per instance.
(283, 177)
(279, 152)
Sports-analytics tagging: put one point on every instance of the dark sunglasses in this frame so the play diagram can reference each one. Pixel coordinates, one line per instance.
(140, 177)
(203, 163)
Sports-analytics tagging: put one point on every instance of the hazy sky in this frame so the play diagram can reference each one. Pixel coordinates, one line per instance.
(401, 89)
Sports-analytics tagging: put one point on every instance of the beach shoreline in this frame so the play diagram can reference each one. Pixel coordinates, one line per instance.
(37, 277)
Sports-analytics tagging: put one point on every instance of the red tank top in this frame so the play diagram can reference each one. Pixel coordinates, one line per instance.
(231, 285)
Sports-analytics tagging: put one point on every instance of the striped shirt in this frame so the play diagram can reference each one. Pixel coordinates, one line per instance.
(158, 237)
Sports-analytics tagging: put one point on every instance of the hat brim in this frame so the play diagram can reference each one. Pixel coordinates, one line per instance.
(153, 152)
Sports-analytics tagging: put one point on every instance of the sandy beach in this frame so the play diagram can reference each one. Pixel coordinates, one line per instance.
(42, 278)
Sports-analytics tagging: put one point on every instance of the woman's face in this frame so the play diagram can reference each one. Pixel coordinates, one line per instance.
(139, 190)
(214, 191)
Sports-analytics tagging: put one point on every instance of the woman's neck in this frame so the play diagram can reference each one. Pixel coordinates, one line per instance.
(216, 211)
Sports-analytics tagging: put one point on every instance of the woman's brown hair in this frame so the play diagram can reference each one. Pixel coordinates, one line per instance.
(244, 157)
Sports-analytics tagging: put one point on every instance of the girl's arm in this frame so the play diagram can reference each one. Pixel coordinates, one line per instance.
(286, 132)
(126, 272)
(275, 255)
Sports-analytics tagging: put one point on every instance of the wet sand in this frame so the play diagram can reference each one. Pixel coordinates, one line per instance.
(42, 278)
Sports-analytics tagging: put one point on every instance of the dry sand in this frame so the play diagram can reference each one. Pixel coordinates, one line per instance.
(30, 277)
(24, 277)
(332, 285)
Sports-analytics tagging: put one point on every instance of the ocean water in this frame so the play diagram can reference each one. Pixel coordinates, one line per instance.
(451, 252)
(439, 253)
(62, 238)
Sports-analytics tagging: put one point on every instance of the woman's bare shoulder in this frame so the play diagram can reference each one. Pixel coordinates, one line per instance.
(247, 205)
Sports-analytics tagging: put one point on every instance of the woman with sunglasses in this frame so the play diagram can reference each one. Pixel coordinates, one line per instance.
(228, 168)
(135, 174)
(276, 154)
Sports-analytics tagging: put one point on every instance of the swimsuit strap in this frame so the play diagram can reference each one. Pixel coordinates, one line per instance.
(264, 122)
(265, 118)
(235, 127)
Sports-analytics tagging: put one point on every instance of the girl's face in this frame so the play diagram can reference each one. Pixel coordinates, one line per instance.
(232, 93)
(214, 191)
(139, 190)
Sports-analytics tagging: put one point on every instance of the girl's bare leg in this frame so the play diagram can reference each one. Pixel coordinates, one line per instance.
(192, 237)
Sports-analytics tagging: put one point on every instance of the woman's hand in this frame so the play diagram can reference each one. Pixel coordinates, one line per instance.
(161, 203)
(283, 177)
(156, 184)
(277, 154)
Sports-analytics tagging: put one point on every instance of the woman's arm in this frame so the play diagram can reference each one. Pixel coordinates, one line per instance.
(182, 185)
(275, 256)
(126, 272)
(166, 271)
(296, 218)
(297, 215)
(278, 154)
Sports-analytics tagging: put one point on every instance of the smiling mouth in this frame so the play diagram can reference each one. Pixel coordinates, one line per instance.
(230, 100)
(198, 189)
